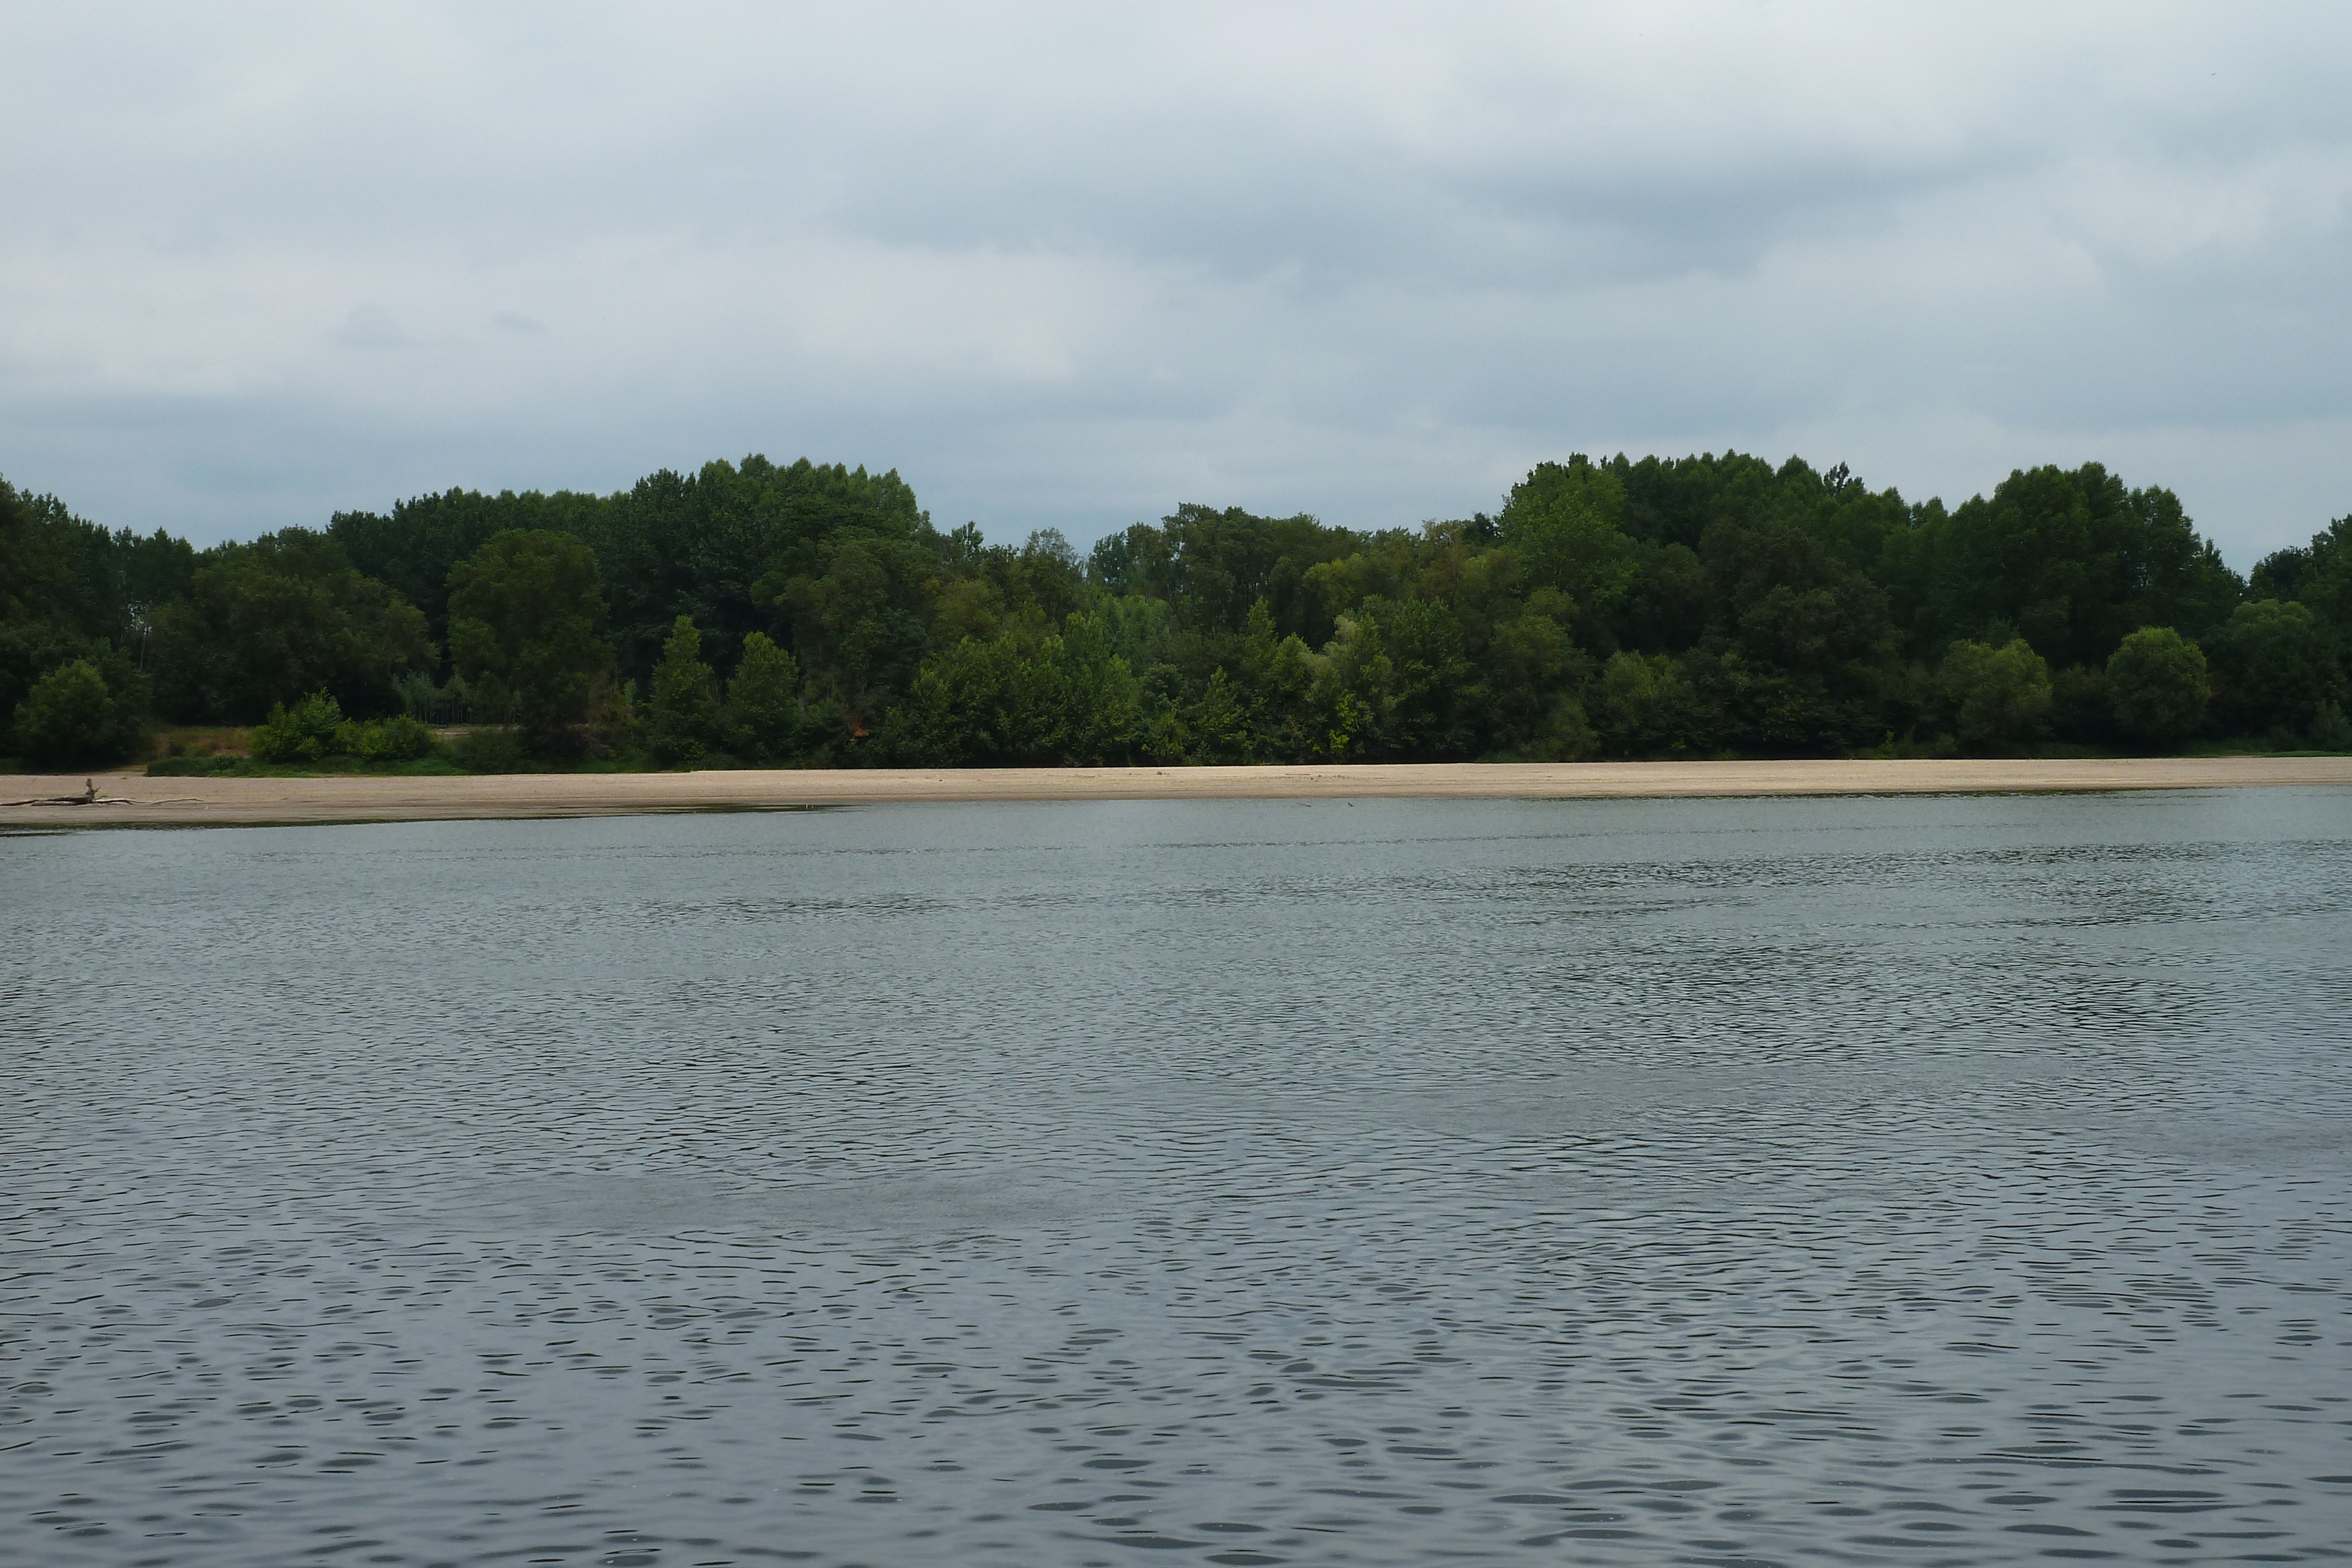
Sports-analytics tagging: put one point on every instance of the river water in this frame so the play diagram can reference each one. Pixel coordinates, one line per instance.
(1955, 1180)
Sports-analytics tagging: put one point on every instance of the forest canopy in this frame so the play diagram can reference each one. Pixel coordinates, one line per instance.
(753, 612)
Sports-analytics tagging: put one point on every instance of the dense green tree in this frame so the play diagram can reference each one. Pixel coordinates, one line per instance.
(2279, 574)
(857, 624)
(1286, 717)
(1705, 605)
(71, 591)
(1645, 706)
(2079, 712)
(2072, 561)
(1998, 696)
(74, 715)
(1532, 671)
(2324, 582)
(1757, 705)
(2158, 685)
(31, 649)
(413, 548)
(974, 703)
(97, 586)
(1211, 567)
(1561, 521)
(682, 718)
(765, 721)
(732, 544)
(526, 611)
(2273, 666)
(1073, 700)
(269, 622)
(1217, 728)
(25, 571)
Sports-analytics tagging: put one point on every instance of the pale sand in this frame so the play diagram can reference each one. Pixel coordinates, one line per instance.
(188, 802)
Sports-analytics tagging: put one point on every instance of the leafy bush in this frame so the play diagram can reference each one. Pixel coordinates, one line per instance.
(1998, 696)
(1645, 706)
(210, 765)
(2157, 686)
(71, 717)
(304, 733)
(396, 739)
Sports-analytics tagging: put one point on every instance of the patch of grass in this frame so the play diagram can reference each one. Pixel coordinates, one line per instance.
(2242, 746)
(476, 751)
(175, 740)
(486, 750)
(221, 765)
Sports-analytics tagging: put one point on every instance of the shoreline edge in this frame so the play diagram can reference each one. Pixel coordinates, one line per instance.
(343, 798)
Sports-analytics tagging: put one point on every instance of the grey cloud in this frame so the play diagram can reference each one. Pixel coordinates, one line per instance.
(372, 327)
(1071, 265)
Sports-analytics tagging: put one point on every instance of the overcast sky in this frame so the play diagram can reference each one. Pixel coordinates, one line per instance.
(1073, 266)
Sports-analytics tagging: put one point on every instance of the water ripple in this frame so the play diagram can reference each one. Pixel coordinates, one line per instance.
(1919, 1181)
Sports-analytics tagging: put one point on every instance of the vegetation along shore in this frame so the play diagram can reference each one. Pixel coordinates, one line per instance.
(806, 617)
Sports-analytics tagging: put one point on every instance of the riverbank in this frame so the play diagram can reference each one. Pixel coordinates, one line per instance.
(135, 800)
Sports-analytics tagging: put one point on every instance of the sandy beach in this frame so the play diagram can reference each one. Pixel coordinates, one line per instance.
(139, 801)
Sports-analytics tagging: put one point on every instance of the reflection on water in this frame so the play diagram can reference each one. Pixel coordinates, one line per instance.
(1920, 1181)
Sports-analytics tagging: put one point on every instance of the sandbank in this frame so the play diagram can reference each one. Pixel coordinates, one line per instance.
(226, 803)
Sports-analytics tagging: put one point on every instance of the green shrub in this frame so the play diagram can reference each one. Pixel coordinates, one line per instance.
(396, 739)
(1998, 696)
(219, 764)
(2157, 686)
(71, 718)
(304, 733)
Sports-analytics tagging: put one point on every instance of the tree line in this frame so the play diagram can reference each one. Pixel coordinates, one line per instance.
(759, 613)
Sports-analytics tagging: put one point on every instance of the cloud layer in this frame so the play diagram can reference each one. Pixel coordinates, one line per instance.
(1071, 266)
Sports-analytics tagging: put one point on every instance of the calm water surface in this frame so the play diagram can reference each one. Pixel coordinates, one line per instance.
(1894, 1181)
